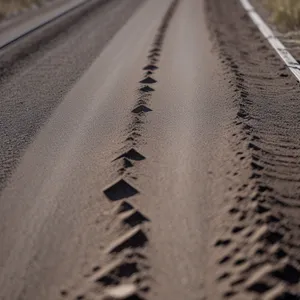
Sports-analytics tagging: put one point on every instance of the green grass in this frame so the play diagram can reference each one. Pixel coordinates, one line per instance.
(9, 6)
(285, 13)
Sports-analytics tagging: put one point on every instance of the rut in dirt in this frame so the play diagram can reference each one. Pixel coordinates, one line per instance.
(126, 275)
(261, 252)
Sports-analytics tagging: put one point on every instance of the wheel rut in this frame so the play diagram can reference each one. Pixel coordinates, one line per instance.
(126, 275)
(260, 250)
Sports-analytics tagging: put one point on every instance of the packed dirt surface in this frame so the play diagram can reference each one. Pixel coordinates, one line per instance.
(41, 68)
(261, 253)
(165, 167)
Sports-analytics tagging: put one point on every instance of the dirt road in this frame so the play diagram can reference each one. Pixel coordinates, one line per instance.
(150, 151)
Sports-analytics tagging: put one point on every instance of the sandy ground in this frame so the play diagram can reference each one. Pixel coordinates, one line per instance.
(37, 73)
(168, 171)
(263, 246)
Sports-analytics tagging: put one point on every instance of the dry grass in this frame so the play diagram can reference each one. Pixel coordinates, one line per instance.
(286, 13)
(10, 6)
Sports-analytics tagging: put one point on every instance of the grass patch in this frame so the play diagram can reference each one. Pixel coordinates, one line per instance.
(285, 13)
(10, 6)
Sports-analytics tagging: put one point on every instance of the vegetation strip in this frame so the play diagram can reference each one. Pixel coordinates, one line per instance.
(38, 22)
(285, 55)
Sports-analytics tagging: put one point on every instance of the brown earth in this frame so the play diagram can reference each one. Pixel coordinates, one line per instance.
(169, 170)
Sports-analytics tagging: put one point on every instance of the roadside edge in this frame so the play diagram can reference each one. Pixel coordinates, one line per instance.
(284, 54)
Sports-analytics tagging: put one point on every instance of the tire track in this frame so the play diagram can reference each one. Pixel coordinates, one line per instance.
(126, 275)
(261, 249)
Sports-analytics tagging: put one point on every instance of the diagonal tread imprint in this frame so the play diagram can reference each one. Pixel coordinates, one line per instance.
(153, 55)
(134, 238)
(140, 109)
(146, 89)
(287, 272)
(104, 274)
(127, 163)
(120, 190)
(155, 50)
(150, 68)
(114, 271)
(154, 60)
(142, 102)
(123, 207)
(133, 217)
(148, 80)
(132, 154)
